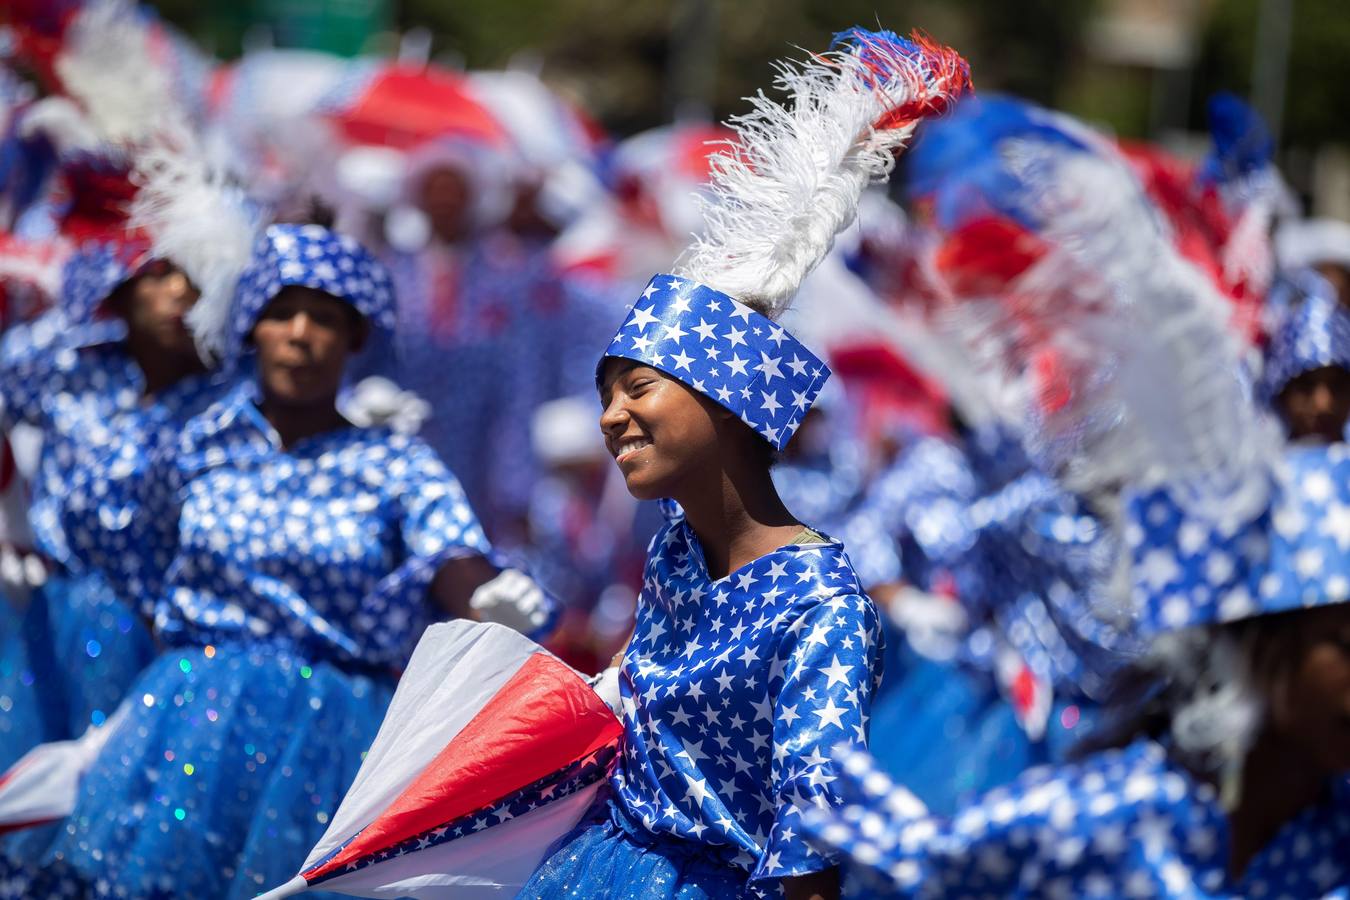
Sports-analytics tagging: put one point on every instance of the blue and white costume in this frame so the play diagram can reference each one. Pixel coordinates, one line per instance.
(1123, 823)
(289, 585)
(1134, 821)
(735, 689)
(1022, 560)
(496, 322)
(84, 642)
(1313, 334)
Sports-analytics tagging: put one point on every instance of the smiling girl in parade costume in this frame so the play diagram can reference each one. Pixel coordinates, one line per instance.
(295, 558)
(755, 652)
(1219, 770)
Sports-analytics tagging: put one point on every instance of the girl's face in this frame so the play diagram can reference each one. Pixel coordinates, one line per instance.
(304, 337)
(661, 433)
(154, 305)
(1310, 701)
(1315, 405)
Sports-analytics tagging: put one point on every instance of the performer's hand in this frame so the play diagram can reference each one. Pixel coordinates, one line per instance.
(512, 599)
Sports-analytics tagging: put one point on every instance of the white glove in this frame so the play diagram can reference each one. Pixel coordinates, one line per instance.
(606, 686)
(512, 599)
(933, 623)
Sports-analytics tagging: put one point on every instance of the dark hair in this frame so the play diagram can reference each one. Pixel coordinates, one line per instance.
(308, 210)
(1182, 670)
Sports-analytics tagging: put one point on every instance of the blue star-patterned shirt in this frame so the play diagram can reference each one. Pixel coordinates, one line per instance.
(737, 693)
(329, 544)
(100, 431)
(1123, 823)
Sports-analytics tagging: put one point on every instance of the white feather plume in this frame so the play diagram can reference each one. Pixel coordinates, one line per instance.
(107, 64)
(792, 178)
(198, 218)
(1157, 392)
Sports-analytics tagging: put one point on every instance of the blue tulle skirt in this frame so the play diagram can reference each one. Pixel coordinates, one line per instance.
(608, 857)
(69, 655)
(947, 733)
(225, 774)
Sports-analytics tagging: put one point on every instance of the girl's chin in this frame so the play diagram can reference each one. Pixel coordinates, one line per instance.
(642, 486)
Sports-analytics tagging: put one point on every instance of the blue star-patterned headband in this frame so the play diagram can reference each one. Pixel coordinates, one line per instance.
(1190, 569)
(314, 257)
(1315, 335)
(724, 350)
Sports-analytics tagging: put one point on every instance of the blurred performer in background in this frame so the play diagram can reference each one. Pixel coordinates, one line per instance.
(104, 405)
(1219, 769)
(292, 559)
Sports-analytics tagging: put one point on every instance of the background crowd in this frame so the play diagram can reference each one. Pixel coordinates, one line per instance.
(520, 173)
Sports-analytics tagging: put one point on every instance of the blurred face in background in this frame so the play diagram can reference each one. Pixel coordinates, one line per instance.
(304, 338)
(1316, 404)
(446, 197)
(1308, 686)
(154, 305)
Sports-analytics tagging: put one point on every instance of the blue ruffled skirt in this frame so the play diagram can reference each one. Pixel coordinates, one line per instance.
(222, 779)
(609, 857)
(947, 733)
(66, 661)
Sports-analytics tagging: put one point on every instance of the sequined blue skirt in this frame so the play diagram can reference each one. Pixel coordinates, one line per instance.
(223, 777)
(608, 857)
(947, 733)
(68, 657)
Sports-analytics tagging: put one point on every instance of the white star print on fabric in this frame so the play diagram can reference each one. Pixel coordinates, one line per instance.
(315, 257)
(675, 317)
(738, 692)
(93, 271)
(1314, 335)
(99, 436)
(1192, 570)
(1123, 823)
(330, 544)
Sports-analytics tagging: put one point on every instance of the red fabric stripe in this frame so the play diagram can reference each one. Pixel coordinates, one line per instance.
(544, 718)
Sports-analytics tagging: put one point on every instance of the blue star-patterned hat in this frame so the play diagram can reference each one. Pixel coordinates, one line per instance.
(94, 271)
(1191, 569)
(1316, 334)
(314, 257)
(724, 350)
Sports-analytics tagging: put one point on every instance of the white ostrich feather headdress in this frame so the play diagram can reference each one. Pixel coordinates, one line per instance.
(792, 178)
(199, 218)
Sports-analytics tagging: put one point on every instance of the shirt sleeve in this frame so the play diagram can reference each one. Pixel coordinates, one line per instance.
(23, 385)
(126, 528)
(830, 664)
(1120, 823)
(435, 525)
(437, 521)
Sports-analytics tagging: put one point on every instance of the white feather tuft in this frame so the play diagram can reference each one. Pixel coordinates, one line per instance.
(1155, 390)
(792, 178)
(107, 64)
(197, 217)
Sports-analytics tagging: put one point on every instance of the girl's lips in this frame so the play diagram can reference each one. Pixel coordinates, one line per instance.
(624, 457)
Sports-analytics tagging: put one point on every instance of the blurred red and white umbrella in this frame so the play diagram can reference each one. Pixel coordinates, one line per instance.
(393, 104)
(491, 750)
